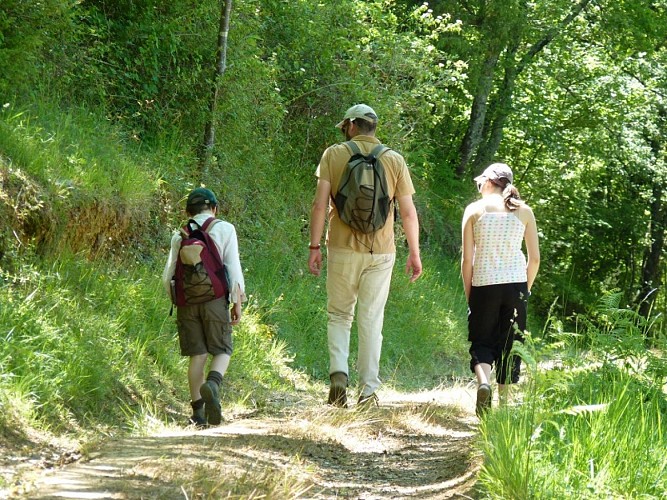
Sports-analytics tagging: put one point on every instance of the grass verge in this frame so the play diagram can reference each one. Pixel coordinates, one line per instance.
(592, 426)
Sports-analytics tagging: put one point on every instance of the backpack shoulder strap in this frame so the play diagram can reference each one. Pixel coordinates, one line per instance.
(376, 152)
(352, 146)
(212, 247)
(187, 228)
(379, 150)
(209, 223)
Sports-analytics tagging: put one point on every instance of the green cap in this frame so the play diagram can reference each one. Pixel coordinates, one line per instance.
(201, 196)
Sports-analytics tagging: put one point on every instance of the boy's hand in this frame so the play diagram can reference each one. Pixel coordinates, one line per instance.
(236, 313)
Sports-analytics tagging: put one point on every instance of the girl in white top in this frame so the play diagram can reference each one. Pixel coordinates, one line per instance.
(497, 277)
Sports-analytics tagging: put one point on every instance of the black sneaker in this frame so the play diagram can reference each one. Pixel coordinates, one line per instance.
(209, 392)
(484, 396)
(365, 402)
(198, 418)
(199, 421)
(338, 390)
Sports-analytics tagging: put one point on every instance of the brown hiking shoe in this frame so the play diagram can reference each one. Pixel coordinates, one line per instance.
(338, 390)
(365, 402)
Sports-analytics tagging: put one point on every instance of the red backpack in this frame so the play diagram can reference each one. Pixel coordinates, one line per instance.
(200, 275)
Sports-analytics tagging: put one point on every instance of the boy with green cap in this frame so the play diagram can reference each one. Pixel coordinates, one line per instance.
(206, 329)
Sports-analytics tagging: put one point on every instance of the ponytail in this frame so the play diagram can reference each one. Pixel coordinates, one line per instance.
(511, 195)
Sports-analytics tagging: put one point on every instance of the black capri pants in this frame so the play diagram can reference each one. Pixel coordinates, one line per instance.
(496, 319)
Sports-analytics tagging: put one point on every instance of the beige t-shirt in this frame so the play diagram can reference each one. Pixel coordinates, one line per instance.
(331, 168)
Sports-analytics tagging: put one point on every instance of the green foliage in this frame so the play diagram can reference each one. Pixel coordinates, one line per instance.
(583, 129)
(70, 182)
(364, 55)
(433, 328)
(93, 345)
(102, 336)
(587, 167)
(71, 151)
(103, 110)
(29, 31)
(140, 60)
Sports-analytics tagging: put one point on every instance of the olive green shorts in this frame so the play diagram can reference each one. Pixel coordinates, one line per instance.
(205, 328)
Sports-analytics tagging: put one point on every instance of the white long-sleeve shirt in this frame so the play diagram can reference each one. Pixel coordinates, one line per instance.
(224, 235)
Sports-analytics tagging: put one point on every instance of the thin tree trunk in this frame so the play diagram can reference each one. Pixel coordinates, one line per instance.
(221, 66)
(499, 111)
(651, 274)
(473, 133)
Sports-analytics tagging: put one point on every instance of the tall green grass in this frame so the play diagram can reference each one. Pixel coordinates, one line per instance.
(74, 152)
(593, 426)
(85, 340)
(90, 344)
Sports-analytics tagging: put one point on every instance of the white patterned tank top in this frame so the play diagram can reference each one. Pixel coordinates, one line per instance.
(498, 257)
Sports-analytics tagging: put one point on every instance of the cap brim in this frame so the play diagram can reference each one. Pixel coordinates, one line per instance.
(340, 124)
(479, 178)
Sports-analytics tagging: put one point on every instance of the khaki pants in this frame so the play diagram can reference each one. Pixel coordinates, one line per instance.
(364, 279)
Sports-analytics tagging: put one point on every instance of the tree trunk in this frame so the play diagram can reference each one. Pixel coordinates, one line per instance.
(221, 66)
(651, 280)
(500, 109)
(473, 134)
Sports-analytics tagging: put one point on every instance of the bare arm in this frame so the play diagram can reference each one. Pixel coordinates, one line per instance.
(318, 216)
(467, 251)
(413, 266)
(532, 248)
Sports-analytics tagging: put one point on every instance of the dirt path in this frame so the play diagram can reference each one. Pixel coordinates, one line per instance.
(416, 445)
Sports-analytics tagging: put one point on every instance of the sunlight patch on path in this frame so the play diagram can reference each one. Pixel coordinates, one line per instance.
(459, 396)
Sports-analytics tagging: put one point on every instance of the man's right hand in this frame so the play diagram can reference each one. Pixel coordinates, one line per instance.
(315, 262)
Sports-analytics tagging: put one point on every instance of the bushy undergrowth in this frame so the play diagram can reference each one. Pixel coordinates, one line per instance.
(594, 425)
(83, 341)
(88, 343)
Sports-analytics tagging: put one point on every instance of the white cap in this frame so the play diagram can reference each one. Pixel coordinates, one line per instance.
(496, 171)
(359, 111)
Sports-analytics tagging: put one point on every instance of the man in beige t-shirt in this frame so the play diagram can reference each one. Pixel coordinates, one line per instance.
(359, 265)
